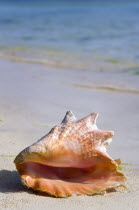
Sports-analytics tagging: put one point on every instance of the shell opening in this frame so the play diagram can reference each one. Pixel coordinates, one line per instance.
(66, 181)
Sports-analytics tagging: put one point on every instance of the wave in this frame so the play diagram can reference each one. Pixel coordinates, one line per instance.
(47, 62)
(108, 88)
(58, 58)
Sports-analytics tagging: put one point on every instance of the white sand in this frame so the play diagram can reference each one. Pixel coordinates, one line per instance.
(34, 99)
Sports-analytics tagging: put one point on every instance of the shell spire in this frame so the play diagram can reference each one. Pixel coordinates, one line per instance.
(69, 117)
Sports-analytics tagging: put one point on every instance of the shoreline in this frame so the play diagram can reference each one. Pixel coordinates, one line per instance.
(95, 63)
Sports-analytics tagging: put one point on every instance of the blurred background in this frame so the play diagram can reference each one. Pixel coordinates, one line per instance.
(81, 34)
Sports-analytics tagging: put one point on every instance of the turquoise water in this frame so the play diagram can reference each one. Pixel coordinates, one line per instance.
(70, 34)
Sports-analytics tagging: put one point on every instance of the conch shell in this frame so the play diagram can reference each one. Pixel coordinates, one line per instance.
(70, 160)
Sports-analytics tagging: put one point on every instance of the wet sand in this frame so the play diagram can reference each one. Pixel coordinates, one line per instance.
(34, 98)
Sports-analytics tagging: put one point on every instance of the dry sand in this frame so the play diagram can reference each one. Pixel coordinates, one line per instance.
(34, 99)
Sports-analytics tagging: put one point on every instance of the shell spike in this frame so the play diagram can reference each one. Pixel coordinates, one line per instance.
(91, 119)
(69, 117)
(108, 134)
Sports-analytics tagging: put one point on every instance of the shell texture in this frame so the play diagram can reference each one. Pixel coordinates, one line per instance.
(70, 160)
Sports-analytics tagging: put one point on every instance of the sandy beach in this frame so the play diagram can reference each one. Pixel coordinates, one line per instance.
(34, 98)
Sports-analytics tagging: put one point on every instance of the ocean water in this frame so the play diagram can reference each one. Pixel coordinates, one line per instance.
(81, 34)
